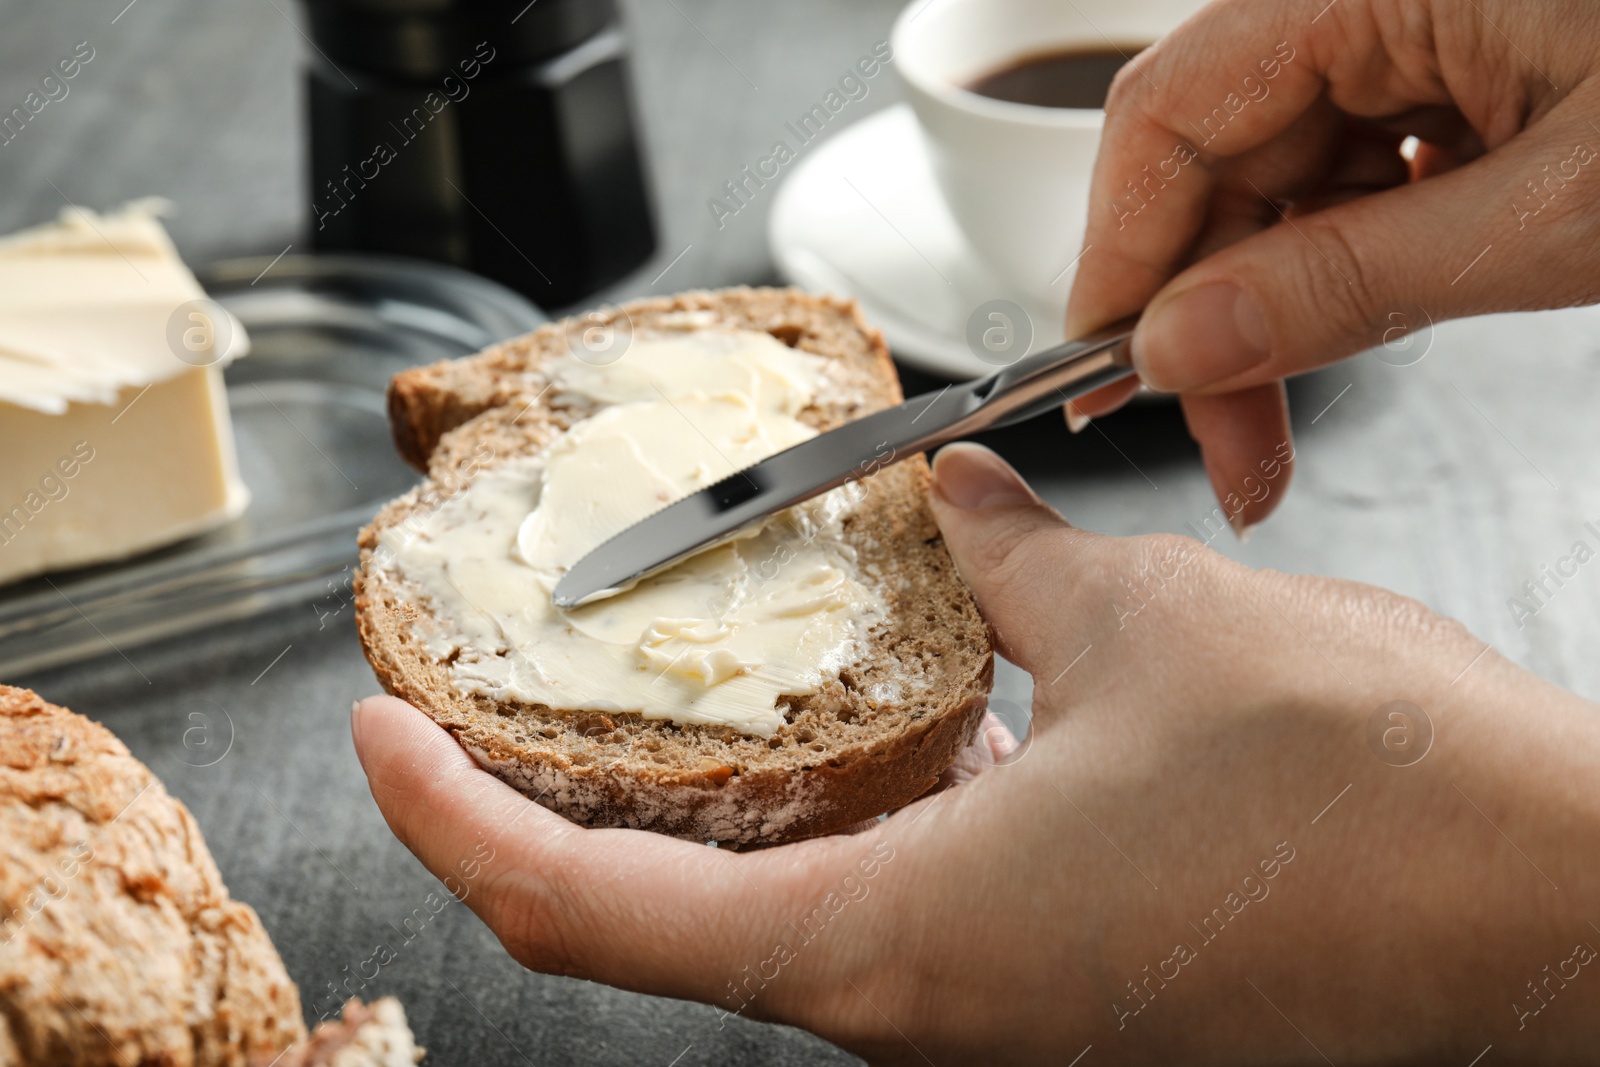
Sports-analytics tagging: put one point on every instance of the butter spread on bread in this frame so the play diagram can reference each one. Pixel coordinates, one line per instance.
(717, 639)
(874, 734)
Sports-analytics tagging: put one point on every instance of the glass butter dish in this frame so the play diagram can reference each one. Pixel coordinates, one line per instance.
(309, 420)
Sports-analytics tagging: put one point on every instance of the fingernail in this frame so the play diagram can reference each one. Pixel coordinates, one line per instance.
(969, 477)
(1200, 336)
(1076, 421)
(355, 723)
(1241, 529)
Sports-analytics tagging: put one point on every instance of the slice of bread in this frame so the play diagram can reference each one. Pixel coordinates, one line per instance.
(119, 943)
(874, 739)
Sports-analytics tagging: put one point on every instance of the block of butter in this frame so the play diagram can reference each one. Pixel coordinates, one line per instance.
(114, 429)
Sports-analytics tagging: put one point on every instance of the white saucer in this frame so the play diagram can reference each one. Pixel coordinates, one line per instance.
(863, 216)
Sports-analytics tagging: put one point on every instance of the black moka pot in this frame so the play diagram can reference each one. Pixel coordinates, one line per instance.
(495, 136)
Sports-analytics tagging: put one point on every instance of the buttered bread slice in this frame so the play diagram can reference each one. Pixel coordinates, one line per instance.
(816, 672)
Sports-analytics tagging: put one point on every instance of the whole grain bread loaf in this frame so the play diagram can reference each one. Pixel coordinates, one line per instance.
(872, 740)
(119, 944)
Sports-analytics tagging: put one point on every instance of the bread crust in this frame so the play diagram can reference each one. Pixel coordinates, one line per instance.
(119, 943)
(874, 740)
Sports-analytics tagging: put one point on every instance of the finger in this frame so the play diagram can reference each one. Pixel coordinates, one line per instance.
(1266, 65)
(1367, 160)
(1325, 285)
(995, 742)
(1247, 449)
(1298, 158)
(1014, 551)
(1444, 127)
(1102, 401)
(1157, 168)
(625, 907)
(435, 798)
(1430, 160)
(994, 745)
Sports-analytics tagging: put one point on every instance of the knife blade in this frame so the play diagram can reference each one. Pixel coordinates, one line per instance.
(711, 516)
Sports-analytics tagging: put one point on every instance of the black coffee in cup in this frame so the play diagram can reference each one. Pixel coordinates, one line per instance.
(1072, 77)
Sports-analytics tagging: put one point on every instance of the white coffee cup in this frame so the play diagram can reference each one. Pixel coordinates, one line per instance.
(1016, 176)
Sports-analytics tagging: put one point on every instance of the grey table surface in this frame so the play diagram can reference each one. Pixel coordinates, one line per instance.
(1454, 479)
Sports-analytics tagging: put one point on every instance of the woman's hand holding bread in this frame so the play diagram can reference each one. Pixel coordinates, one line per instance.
(1298, 819)
(1223, 833)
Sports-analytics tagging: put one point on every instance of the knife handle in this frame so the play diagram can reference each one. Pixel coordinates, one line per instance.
(1036, 384)
(1048, 379)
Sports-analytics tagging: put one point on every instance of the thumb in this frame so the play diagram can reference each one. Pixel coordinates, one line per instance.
(1317, 287)
(1020, 558)
(628, 908)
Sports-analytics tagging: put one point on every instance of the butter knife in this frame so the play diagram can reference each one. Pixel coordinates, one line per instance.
(1031, 386)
